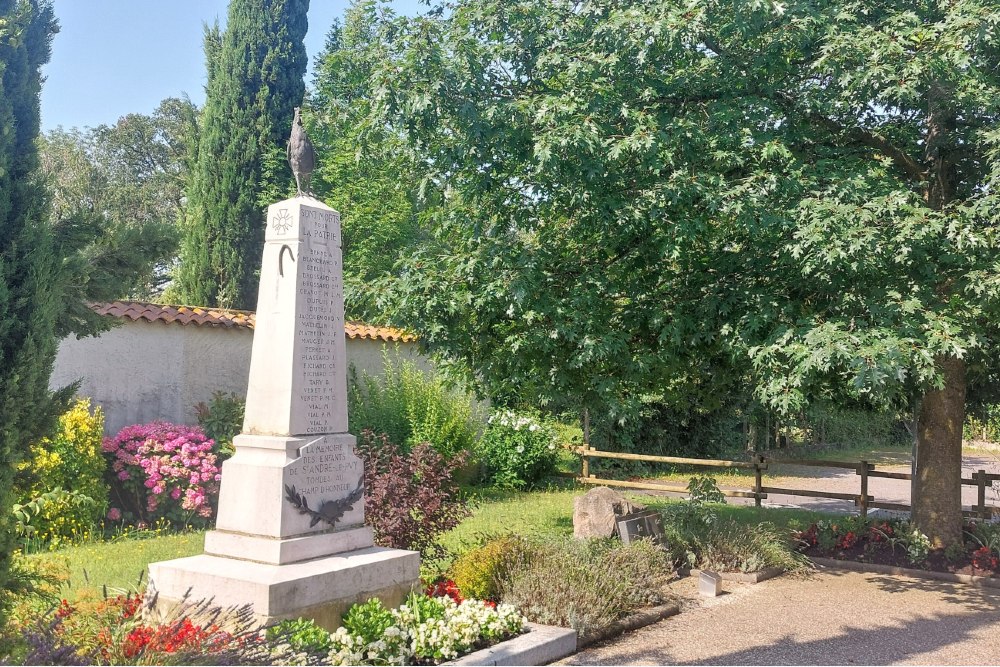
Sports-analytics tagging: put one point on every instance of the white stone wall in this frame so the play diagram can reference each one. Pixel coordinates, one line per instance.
(141, 371)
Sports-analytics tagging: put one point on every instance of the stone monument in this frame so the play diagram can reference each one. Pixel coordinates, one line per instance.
(290, 536)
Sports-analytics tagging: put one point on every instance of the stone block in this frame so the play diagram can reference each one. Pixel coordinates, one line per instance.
(709, 584)
(321, 589)
(253, 498)
(595, 513)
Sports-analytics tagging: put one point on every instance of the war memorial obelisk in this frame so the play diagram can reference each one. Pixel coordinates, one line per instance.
(290, 537)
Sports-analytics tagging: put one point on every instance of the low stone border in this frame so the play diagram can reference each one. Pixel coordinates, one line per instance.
(855, 566)
(633, 621)
(746, 577)
(541, 645)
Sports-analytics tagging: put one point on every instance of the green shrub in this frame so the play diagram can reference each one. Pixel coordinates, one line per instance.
(368, 620)
(33, 587)
(734, 547)
(480, 573)
(517, 450)
(222, 420)
(704, 489)
(412, 407)
(586, 584)
(697, 538)
(855, 428)
(302, 635)
(70, 458)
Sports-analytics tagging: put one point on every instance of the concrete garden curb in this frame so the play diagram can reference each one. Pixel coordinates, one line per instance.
(855, 566)
(746, 577)
(634, 621)
(541, 645)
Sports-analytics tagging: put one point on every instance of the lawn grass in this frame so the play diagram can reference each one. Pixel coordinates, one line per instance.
(118, 564)
(543, 513)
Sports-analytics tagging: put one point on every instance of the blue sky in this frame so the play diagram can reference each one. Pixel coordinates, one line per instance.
(113, 57)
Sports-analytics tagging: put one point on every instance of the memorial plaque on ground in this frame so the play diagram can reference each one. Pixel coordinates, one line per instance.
(646, 524)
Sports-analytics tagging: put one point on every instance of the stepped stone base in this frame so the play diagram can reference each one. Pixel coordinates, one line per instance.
(321, 589)
(262, 549)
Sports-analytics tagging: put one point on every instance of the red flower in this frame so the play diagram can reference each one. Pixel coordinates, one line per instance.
(64, 609)
(183, 635)
(445, 588)
(847, 541)
(984, 558)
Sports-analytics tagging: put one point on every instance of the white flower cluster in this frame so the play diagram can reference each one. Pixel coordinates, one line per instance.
(461, 627)
(514, 421)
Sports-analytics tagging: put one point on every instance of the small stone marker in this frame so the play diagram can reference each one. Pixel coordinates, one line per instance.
(709, 584)
(595, 514)
(644, 524)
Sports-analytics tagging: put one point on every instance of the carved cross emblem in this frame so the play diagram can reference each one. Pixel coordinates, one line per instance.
(282, 222)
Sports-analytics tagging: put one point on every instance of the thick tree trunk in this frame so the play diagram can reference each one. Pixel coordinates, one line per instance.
(937, 501)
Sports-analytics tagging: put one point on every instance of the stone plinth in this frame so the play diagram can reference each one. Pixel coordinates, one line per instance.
(290, 535)
(321, 589)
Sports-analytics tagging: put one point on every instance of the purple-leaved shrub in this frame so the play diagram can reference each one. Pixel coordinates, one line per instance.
(163, 470)
(410, 498)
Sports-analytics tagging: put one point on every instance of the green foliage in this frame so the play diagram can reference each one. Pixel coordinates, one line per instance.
(641, 203)
(31, 586)
(982, 423)
(851, 427)
(730, 547)
(703, 489)
(368, 620)
(255, 71)
(369, 180)
(585, 584)
(411, 407)
(56, 517)
(697, 537)
(117, 195)
(71, 459)
(517, 450)
(479, 573)
(30, 272)
(303, 635)
(222, 420)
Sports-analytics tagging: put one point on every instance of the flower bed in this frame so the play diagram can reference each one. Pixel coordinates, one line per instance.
(424, 631)
(897, 543)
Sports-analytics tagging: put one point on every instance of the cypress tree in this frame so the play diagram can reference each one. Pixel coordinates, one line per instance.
(29, 270)
(255, 81)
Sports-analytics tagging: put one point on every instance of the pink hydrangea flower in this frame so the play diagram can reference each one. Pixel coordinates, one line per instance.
(169, 469)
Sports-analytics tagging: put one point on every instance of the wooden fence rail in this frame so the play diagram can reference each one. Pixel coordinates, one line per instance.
(759, 463)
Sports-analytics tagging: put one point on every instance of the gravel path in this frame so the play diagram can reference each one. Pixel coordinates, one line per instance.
(819, 619)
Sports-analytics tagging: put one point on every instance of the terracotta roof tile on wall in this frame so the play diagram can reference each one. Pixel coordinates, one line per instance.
(216, 317)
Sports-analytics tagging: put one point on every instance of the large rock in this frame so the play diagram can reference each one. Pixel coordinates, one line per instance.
(595, 512)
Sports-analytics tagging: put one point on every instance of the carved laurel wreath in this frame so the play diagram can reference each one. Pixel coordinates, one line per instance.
(330, 511)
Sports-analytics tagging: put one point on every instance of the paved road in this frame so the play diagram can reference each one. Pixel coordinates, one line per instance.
(822, 618)
(846, 481)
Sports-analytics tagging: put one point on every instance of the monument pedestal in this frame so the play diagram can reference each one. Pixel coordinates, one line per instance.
(290, 535)
(321, 589)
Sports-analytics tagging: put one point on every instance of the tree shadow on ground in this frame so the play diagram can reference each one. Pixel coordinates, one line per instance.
(878, 644)
(973, 598)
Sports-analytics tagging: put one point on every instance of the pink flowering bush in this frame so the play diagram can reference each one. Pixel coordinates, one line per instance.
(162, 470)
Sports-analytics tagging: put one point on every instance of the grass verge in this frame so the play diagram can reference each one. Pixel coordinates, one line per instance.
(118, 564)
